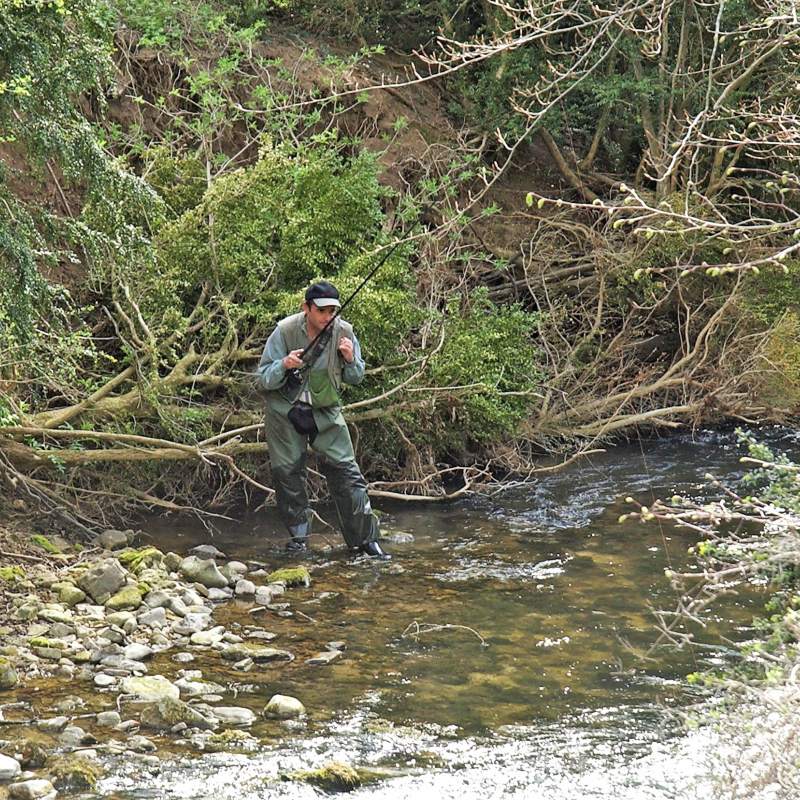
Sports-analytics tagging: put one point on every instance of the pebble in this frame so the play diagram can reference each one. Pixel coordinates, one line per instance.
(104, 680)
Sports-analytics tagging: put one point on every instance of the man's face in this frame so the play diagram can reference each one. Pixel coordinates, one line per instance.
(317, 318)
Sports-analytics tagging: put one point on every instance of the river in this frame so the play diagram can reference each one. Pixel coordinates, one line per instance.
(495, 656)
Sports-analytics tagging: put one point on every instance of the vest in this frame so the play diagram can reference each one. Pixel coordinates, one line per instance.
(296, 338)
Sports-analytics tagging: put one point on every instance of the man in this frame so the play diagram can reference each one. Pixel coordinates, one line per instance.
(307, 412)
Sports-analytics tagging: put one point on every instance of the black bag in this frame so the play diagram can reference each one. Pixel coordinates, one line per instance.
(302, 418)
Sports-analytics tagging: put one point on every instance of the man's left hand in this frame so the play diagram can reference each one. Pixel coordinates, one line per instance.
(346, 349)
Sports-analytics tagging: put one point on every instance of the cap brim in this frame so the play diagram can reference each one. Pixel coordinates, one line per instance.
(323, 302)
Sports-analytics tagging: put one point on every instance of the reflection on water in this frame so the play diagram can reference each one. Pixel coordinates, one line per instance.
(547, 577)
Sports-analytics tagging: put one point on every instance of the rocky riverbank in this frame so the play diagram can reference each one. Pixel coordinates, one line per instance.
(98, 624)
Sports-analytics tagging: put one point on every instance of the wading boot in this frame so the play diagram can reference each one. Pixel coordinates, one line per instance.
(374, 550)
(298, 544)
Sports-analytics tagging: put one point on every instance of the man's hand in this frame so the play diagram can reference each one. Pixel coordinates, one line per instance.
(293, 360)
(346, 349)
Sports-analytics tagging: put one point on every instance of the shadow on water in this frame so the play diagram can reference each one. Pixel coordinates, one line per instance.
(521, 680)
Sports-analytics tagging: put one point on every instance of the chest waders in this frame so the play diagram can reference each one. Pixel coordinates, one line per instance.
(288, 449)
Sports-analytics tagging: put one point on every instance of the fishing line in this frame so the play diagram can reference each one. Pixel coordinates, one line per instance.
(663, 535)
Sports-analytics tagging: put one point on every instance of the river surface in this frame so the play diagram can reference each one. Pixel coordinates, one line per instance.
(493, 657)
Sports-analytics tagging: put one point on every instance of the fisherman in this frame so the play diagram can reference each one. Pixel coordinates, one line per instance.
(303, 409)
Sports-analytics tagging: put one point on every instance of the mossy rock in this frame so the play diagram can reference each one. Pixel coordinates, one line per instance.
(133, 559)
(44, 543)
(333, 777)
(12, 574)
(74, 772)
(231, 737)
(294, 576)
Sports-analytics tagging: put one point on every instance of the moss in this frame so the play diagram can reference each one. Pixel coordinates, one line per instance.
(132, 559)
(12, 574)
(231, 737)
(332, 777)
(44, 543)
(74, 772)
(295, 576)
(42, 641)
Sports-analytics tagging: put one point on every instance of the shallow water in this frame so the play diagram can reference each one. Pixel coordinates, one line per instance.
(522, 679)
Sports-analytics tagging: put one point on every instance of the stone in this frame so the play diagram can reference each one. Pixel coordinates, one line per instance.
(293, 576)
(137, 652)
(9, 768)
(150, 687)
(264, 636)
(141, 744)
(191, 597)
(192, 623)
(75, 736)
(264, 595)
(218, 595)
(154, 618)
(203, 571)
(177, 606)
(102, 680)
(255, 652)
(120, 618)
(283, 706)
(113, 540)
(71, 595)
(34, 755)
(103, 580)
(244, 588)
(323, 659)
(197, 687)
(55, 614)
(112, 634)
(31, 790)
(53, 724)
(168, 712)
(8, 675)
(333, 778)
(108, 719)
(26, 611)
(207, 638)
(234, 716)
(336, 646)
(172, 562)
(207, 551)
(157, 599)
(75, 772)
(125, 599)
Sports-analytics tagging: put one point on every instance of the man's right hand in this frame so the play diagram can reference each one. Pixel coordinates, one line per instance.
(293, 360)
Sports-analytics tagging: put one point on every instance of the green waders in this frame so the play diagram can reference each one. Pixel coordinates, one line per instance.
(334, 449)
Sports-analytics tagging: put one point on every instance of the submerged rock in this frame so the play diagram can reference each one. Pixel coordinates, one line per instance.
(74, 772)
(150, 687)
(333, 777)
(256, 652)
(295, 576)
(168, 712)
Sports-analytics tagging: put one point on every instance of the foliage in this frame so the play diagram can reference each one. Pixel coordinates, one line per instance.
(777, 483)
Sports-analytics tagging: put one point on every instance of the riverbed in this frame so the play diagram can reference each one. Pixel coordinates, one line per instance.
(497, 654)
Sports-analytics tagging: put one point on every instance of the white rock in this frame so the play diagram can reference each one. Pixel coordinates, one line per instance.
(32, 790)
(150, 687)
(282, 706)
(9, 768)
(234, 716)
